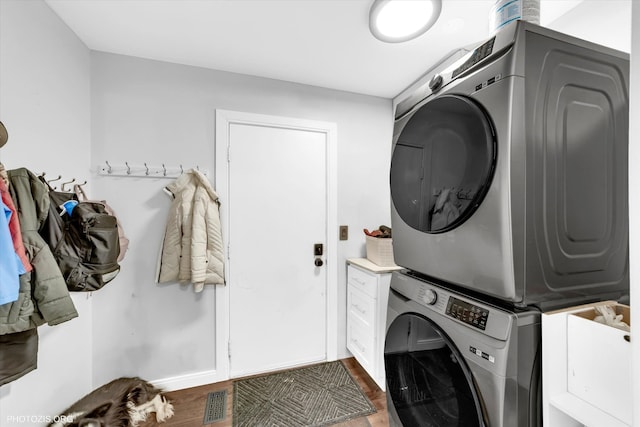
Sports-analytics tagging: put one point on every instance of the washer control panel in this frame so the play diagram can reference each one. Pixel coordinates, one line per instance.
(470, 314)
(475, 314)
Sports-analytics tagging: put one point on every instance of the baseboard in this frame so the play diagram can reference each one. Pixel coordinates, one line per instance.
(188, 380)
(266, 369)
(196, 379)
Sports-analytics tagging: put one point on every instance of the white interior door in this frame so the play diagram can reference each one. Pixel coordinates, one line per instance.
(277, 212)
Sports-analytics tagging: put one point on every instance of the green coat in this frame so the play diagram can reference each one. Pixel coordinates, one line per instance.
(44, 297)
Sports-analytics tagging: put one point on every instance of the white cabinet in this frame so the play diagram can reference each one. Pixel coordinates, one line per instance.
(585, 371)
(367, 297)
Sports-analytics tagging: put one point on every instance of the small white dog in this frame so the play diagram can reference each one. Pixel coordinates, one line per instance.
(123, 402)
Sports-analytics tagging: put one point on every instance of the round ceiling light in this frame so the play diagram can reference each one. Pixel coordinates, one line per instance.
(396, 21)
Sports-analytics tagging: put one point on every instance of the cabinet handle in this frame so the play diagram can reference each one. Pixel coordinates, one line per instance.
(358, 281)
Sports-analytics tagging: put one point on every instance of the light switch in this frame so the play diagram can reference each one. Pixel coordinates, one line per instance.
(344, 232)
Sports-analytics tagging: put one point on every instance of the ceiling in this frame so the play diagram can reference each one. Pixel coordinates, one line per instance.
(323, 43)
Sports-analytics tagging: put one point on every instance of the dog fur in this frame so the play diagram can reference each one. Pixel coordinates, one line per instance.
(124, 402)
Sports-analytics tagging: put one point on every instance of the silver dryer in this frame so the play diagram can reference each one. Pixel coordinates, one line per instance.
(509, 171)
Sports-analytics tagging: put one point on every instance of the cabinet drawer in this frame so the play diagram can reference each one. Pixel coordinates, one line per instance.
(361, 343)
(366, 282)
(361, 306)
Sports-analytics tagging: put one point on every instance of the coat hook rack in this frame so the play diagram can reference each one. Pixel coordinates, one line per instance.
(144, 170)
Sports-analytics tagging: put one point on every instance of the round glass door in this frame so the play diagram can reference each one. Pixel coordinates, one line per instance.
(428, 381)
(443, 163)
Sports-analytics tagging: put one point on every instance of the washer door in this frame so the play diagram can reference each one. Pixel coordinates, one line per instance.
(428, 381)
(443, 163)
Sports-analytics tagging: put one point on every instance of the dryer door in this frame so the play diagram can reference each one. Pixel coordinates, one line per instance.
(442, 164)
(428, 381)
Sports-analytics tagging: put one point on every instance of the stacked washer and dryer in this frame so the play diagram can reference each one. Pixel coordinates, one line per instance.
(509, 198)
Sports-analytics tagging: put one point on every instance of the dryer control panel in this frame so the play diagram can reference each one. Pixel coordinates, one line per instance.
(474, 57)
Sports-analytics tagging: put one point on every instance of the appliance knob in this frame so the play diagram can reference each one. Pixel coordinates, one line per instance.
(435, 83)
(429, 296)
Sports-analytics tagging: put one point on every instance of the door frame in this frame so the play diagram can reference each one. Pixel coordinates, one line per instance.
(224, 120)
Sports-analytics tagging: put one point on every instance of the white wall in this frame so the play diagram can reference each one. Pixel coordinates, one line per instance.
(605, 22)
(44, 103)
(154, 112)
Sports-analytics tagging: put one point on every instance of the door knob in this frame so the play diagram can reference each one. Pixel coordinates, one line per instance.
(318, 262)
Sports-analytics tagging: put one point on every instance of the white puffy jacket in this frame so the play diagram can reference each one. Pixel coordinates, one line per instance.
(192, 246)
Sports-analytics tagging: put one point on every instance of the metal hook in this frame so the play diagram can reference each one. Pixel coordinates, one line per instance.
(147, 169)
(108, 166)
(55, 179)
(68, 182)
(84, 183)
(128, 168)
(181, 170)
(51, 180)
(164, 170)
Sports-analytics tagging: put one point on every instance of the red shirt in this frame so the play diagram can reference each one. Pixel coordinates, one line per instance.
(14, 226)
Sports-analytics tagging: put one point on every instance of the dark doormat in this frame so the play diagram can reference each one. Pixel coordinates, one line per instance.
(318, 395)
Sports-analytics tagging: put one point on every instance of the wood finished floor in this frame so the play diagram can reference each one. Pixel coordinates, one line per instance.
(189, 404)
